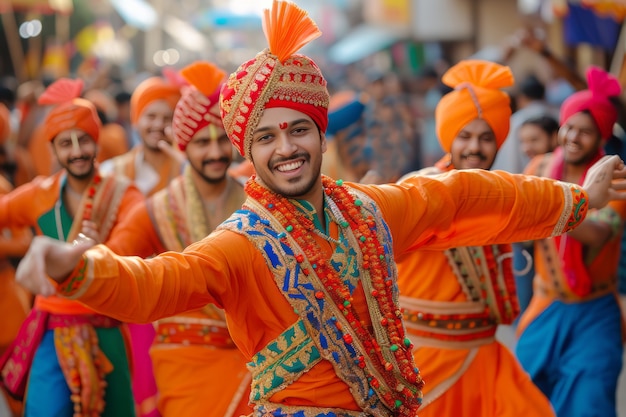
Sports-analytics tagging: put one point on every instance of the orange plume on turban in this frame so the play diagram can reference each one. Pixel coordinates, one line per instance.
(150, 90)
(276, 77)
(70, 111)
(199, 105)
(5, 123)
(476, 95)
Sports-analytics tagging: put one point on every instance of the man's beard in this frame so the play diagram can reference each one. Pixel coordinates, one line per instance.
(212, 180)
(86, 175)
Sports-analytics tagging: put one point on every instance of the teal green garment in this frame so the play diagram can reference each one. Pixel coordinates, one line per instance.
(48, 394)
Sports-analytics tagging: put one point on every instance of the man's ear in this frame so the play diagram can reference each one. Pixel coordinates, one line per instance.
(323, 139)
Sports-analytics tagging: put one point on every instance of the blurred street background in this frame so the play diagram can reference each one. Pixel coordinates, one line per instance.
(394, 50)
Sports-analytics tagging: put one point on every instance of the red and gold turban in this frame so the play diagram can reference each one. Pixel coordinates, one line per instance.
(152, 89)
(70, 111)
(596, 100)
(276, 77)
(199, 105)
(5, 123)
(476, 95)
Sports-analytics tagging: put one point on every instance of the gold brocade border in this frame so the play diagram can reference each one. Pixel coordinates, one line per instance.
(282, 361)
(299, 290)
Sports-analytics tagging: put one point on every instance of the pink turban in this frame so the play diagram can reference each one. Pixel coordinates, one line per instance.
(595, 100)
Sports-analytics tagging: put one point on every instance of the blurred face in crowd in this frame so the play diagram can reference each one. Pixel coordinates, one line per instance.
(76, 152)
(152, 122)
(474, 146)
(534, 140)
(210, 153)
(286, 151)
(580, 138)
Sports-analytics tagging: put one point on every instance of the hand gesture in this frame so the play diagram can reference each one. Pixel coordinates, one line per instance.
(90, 229)
(605, 181)
(50, 258)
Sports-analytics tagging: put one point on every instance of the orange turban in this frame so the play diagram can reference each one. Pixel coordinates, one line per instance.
(476, 95)
(276, 77)
(70, 111)
(5, 123)
(199, 105)
(152, 89)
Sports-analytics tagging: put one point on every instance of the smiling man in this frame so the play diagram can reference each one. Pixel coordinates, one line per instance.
(193, 355)
(305, 270)
(78, 357)
(571, 335)
(148, 164)
(453, 300)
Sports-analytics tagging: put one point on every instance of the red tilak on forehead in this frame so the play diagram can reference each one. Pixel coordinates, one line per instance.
(283, 125)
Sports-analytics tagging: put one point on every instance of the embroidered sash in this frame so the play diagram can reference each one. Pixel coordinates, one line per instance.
(316, 334)
(177, 214)
(106, 202)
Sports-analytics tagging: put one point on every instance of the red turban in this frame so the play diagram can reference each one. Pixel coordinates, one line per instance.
(70, 111)
(476, 95)
(199, 105)
(276, 77)
(152, 89)
(595, 100)
(5, 123)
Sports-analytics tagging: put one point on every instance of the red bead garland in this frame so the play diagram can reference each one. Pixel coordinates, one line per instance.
(91, 193)
(362, 225)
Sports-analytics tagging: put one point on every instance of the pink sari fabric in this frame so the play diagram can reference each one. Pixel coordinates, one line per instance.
(570, 249)
(16, 361)
(144, 385)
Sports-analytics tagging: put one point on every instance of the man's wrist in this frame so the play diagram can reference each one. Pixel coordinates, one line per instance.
(70, 285)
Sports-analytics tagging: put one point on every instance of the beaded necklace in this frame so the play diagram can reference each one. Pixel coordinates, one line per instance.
(396, 347)
(87, 207)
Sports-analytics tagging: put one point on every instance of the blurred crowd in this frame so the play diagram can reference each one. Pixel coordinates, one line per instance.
(382, 126)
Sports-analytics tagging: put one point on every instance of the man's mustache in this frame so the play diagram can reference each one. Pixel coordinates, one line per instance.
(210, 161)
(81, 158)
(277, 161)
(479, 155)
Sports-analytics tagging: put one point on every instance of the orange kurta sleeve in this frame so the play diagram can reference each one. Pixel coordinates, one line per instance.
(135, 234)
(441, 211)
(24, 205)
(474, 208)
(227, 270)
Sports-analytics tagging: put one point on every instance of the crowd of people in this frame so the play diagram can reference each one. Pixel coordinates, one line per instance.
(213, 265)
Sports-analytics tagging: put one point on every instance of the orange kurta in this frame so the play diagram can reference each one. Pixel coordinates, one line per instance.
(452, 303)
(15, 301)
(550, 287)
(226, 269)
(24, 207)
(148, 179)
(188, 366)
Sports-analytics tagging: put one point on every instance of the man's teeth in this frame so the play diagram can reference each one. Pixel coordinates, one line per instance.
(289, 167)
